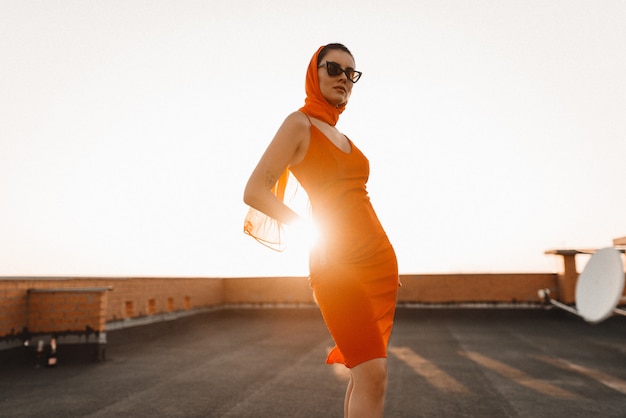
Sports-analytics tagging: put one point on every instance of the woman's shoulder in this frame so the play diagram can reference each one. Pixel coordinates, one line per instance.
(297, 125)
(298, 119)
(296, 130)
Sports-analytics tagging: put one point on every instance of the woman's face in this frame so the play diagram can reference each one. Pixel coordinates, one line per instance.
(336, 89)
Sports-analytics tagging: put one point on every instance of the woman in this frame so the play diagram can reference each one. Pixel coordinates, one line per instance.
(353, 267)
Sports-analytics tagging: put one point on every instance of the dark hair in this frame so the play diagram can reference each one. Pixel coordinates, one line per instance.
(329, 47)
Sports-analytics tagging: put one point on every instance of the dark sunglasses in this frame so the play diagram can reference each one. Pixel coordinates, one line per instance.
(333, 69)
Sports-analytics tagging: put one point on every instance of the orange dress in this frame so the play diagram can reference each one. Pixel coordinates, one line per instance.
(353, 269)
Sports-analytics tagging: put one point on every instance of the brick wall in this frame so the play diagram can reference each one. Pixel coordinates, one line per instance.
(277, 290)
(13, 303)
(132, 298)
(41, 304)
(138, 297)
(416, 288)
(469, 288)
(70, 310)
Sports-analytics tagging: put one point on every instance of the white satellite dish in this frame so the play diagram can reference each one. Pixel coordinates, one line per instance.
(600, 285)
(599, 288)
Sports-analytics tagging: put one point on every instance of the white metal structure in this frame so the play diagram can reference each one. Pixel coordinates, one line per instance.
(599, 288)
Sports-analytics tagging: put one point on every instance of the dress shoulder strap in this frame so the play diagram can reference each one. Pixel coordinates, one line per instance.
(308, 117)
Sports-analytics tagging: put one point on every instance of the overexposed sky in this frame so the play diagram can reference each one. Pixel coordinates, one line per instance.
(495, 129)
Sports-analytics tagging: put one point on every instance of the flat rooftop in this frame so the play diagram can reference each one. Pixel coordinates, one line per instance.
(450, 362)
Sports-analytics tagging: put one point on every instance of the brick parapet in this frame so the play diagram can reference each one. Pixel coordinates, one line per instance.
(142, 297)
(52, 300)
(66, 310)
(475, 288)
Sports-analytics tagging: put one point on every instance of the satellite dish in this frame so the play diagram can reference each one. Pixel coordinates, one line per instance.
(600, 285)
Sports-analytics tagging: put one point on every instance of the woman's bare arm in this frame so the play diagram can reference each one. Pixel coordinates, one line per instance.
(287, 148)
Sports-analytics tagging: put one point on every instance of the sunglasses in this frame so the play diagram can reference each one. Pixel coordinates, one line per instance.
(333, 69)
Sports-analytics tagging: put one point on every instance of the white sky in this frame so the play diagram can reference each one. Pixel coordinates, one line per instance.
(495, 129)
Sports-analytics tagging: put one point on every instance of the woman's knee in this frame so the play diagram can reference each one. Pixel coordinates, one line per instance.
(372, 373)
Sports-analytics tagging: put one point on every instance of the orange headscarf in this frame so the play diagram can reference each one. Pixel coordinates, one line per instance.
(315, 105)
(261, 227)
(268, 231)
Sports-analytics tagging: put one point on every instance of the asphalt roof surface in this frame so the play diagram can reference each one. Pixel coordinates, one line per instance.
(270, 363)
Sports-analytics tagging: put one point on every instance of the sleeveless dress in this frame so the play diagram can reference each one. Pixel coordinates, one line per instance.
(353, 268)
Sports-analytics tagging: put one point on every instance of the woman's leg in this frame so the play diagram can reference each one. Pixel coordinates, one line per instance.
(346, 403)
(365, 397)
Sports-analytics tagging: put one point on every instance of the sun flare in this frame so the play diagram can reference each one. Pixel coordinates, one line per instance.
(303, 234)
